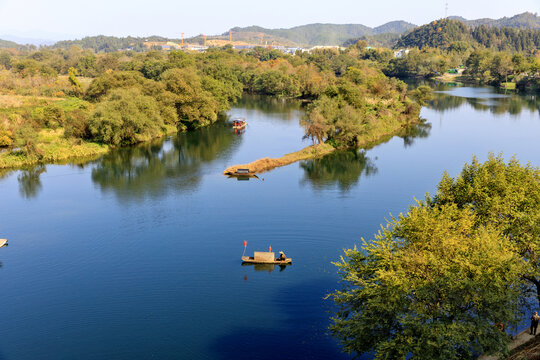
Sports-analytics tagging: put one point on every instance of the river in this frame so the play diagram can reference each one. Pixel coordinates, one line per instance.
(137, 255)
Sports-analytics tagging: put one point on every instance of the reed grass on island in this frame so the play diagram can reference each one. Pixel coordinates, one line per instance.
(266, 164)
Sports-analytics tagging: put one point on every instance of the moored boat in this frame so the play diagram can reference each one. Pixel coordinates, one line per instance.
(3, 242)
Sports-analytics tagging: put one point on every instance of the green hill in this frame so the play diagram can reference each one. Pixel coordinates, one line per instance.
(312, 34)
(394, 27)
(445, 33)
(103, 43)
(439, 33)
(9, 44)
(526, 20)
(324, 34)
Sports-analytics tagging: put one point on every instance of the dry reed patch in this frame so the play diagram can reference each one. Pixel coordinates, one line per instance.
(266, 164)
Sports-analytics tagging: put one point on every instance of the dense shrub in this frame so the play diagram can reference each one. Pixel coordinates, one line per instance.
(126, 117)
(76, 125)
(6, 138)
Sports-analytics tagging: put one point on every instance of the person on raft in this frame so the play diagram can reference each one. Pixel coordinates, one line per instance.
(282, 256)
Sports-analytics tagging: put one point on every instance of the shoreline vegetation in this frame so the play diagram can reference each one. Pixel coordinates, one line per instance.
(61, 104)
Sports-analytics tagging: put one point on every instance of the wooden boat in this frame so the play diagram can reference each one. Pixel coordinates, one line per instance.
(242, 173)
(262, 257)
(239, 123)
(3, 242)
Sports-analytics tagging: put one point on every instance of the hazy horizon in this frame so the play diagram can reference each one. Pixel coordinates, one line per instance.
(64, 19)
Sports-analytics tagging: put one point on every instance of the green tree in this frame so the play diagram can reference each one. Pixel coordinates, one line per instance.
(126, 117)
(362, 107)
(195, 106)
(26, 138)
(75, 83)
(422, 94)
(76, 125)
(431, 285)
(506, 196)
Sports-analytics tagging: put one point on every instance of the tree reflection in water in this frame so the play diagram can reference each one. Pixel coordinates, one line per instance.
(344, 168)
(421, 130)
(155, 168)
(496, 103)
(30, 181)
(341, 168)
(286, 108)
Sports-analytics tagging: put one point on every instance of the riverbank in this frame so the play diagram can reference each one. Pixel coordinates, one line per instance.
(456, 78)
(266, 164)
(522, 347)
(52, 146)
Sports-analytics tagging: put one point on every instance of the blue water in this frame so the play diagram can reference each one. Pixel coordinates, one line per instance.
(137, 255)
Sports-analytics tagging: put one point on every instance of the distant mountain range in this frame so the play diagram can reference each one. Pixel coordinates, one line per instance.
(306, 35)
(325, 34)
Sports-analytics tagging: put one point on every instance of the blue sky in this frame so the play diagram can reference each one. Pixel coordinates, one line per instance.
(55, 19)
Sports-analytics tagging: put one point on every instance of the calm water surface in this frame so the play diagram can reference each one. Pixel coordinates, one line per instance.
(137, 255)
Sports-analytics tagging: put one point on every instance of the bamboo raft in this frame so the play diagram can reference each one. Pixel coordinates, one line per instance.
(260, 257)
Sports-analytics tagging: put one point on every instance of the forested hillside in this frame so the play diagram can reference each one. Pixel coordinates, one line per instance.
(526, 20)
(103, 43)
(328, 34)
(9, 44)
(446, 33)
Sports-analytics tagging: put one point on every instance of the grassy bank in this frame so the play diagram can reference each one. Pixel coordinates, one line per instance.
(52, 147)
(266, 164)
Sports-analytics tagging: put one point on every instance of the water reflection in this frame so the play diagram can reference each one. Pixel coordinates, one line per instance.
(153, 169)
(286, 108)
(344, 168)
(301, 332)
(265, 267)
(341, 168)
(243, 177)
(448, 96)
(30, 181)
(421, 130)
(512, 104)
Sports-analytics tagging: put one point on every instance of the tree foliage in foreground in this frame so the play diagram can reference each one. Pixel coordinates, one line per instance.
(438, 282)
(432, 285)
(506, 196)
